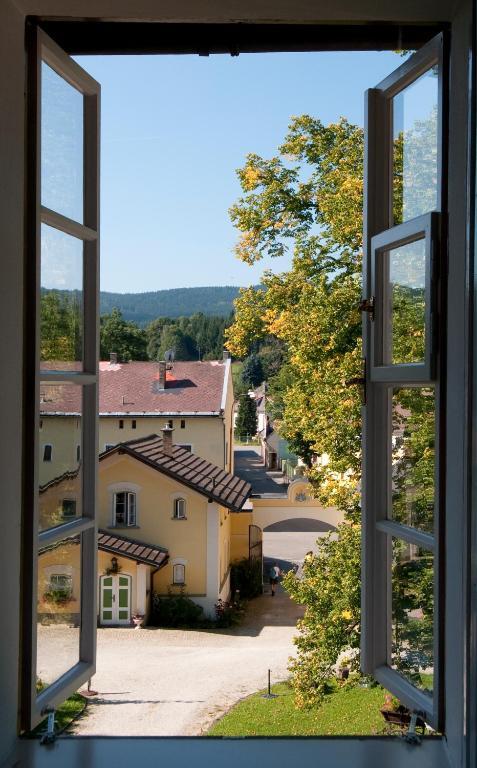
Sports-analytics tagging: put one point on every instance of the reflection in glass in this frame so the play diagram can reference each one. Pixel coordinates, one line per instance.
(415, 155)
(412, 639)
(404, 338)
(59, 609)
(61, 302)
(413, 457)
(60, 454)
(61, 145)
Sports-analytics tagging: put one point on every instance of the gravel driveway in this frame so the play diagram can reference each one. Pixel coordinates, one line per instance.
(159, 682)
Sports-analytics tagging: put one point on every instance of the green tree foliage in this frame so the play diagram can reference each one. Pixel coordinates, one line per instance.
(123, 337)
(60, 326)
(199, 336)
(172, 338)
(329, 588)
(309, 197)
(252, 371)
(246, 423)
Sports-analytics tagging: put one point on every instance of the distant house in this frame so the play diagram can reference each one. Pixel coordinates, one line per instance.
(135, 399)
(168, 522)
(275, 448)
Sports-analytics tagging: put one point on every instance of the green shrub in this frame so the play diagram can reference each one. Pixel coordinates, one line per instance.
(176, 611)
(246, 576)
(228, 614)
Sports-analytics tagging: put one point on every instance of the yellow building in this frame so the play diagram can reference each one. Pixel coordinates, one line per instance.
(168, 523)
(135, 399)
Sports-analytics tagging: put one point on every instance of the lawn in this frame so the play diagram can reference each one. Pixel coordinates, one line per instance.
(64, 715)
(346, 711)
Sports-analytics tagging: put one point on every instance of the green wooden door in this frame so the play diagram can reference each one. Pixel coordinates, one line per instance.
(115, 599)
(124, 599)
(107, 600)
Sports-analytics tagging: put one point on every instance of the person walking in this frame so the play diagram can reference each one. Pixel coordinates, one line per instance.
(275, 574)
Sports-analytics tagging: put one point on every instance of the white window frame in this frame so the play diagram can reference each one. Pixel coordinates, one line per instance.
(380, 382)
(42, 49)
(124, 487)
(182, 501)
(179, 562)
(130, 510)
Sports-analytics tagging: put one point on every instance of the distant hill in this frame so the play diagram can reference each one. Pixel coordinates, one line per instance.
(175, 302)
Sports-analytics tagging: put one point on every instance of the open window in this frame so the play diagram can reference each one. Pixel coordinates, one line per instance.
(63, 221)
(403, 341)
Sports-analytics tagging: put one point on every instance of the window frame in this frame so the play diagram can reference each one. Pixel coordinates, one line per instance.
(40, 48)
(130, 496)
(179, 501)
(377, 425)
(174, 581)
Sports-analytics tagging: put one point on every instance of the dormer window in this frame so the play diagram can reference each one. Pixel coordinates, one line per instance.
(179, 509)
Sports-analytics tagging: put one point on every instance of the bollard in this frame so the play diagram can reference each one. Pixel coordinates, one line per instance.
(269, 695)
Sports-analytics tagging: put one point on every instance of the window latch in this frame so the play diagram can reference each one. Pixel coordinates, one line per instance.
(417, 721)
(50, 735)
(367, 305)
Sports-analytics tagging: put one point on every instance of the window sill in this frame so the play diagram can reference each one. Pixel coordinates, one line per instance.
(179, 518)
(178, 585)
(123, 527)
(107, 752)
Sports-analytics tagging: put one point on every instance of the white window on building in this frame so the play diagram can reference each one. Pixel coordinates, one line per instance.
(124, 508)
(61, 584)
(178, 573)
(179, 509)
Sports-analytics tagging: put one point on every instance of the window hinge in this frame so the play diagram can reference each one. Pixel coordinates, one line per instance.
(417, 721)
(50, 735)
(367, 305)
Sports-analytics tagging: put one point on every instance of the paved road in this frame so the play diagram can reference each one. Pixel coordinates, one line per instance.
(249, 466)
(158, 682)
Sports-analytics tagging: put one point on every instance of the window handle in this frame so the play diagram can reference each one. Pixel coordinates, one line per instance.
(114, 598)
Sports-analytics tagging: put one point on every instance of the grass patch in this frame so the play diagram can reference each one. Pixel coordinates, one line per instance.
(346, 711)
(64, 715)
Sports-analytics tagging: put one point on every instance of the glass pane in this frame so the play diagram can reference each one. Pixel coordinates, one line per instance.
(412, 639)
(61, 145)
(61, 301)
(107, 615)
(58, 609)
(415, 148)
(413, 457)
(59, 471)
(108, 598)
(404, 307)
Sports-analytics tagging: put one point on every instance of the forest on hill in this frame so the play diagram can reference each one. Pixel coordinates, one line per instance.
(143, 308)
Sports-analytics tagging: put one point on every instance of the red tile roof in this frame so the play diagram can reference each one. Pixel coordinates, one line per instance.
(133, 389)
(132, 549)
(202, 476)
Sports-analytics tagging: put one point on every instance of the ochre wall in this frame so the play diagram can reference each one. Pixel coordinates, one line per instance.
(64, 434)
(64, 558)
(155, 524)
(240, 522)
(204, 434)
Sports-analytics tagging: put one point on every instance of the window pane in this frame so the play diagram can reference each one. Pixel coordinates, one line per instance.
(415, 150)
(404, 304)
(60, 477)
(58, 609)
(412, 633)
(413, 457)
(61, 300)
(61, 145)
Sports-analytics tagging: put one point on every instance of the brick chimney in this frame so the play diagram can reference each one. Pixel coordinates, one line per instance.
(113, 358)
(167, 443)
(162, 374)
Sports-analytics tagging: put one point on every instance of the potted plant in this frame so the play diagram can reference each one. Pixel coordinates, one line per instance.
(137, 618)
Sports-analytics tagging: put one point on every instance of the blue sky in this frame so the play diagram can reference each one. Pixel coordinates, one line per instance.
(175, 128)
